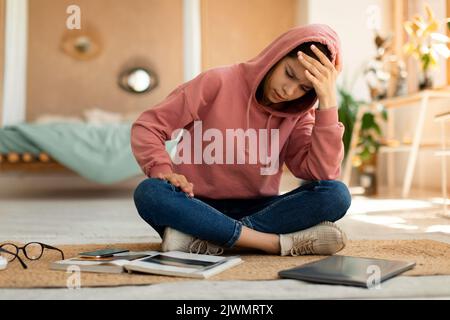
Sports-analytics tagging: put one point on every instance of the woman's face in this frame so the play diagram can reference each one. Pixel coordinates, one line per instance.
(285, 82)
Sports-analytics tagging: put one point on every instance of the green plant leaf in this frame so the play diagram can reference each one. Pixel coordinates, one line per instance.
(377, 128)
(426, 61)
(347, 111)
(384, 114)
(368, 141)
(365, 154)
(368, 121)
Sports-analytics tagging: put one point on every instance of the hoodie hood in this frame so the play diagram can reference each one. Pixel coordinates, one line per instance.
(254, 70)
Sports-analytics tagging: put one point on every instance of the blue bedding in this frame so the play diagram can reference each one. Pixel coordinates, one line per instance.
(99, 153)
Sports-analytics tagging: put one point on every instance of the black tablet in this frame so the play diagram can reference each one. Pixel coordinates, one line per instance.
(344, 270)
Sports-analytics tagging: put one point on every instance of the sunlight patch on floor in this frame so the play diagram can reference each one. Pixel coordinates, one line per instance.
(387, 221)
(439, 201)
(361, 205)
(439, 228)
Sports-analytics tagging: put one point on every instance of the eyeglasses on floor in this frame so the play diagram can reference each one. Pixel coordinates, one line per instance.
(32, 251)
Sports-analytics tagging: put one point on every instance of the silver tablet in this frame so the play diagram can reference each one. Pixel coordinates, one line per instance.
(344, 270)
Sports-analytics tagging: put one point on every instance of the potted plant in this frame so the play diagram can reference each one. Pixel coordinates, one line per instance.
(348, 108)
(369, 140)
(426, 44)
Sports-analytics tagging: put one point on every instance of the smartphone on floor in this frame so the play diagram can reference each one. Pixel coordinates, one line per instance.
(102, 253)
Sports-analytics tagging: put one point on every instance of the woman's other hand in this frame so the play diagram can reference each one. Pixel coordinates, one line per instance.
(178, 180)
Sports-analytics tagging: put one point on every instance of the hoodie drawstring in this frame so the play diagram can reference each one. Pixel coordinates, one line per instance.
(268, 123)
(267, 127)
(269, 135)
(248, 126)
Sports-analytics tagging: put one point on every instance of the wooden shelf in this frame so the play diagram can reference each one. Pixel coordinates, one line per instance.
(405, 101)
(443, 117)
(442, 153)
(408, 147)
(424, 99)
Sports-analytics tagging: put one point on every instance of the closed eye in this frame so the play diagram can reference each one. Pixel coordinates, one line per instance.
(289, 75)
(306, 89)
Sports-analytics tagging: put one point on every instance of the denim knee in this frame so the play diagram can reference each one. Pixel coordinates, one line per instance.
(340, 197)
(146, 197)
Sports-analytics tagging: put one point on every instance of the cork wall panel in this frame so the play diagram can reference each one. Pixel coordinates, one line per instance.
(235, 30)
(130, 33)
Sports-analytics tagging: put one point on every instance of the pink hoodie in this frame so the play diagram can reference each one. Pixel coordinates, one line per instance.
(310, 140)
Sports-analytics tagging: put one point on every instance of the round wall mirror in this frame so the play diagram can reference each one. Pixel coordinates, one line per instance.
(138, 80)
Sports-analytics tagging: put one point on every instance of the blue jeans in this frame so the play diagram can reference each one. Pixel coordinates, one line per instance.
(162, 204)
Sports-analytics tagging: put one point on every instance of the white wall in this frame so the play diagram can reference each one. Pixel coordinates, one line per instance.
(192, 39)
(348, 18)
(14, 85)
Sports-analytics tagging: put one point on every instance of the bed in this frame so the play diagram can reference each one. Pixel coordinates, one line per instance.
(97, 152)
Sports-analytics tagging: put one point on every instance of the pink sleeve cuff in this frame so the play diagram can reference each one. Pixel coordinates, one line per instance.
(162, 168)
(327, 117)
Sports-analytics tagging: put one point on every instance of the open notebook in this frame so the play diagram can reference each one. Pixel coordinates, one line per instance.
(172, 263)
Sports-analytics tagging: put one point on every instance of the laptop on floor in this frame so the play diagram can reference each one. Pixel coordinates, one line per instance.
(345, 270)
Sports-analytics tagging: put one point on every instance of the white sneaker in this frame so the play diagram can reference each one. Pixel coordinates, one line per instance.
(323, 239)
(174, 240)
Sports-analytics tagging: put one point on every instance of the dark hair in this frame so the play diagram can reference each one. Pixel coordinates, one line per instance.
(306, 49)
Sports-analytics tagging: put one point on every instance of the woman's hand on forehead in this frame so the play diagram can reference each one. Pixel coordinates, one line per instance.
(322, 74)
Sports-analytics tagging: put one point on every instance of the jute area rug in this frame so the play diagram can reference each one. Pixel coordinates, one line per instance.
(431, 257)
